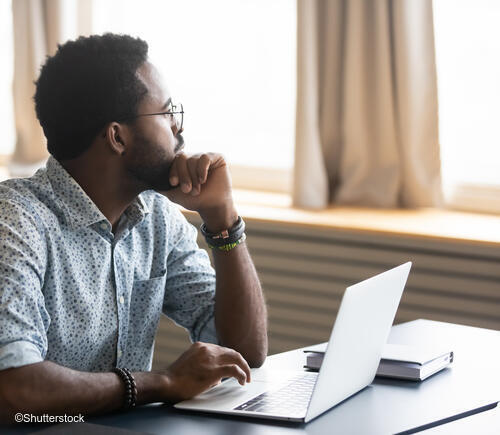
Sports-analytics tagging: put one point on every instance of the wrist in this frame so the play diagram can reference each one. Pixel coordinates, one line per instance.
(219, 218)
(151, 387)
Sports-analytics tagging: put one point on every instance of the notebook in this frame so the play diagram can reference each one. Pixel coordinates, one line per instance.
(398, 361)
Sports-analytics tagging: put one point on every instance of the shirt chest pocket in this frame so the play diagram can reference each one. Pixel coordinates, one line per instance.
(145, 311)
(148, 291)
(146, 306)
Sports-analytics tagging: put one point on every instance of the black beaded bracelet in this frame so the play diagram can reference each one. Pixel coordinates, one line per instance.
(130, 386)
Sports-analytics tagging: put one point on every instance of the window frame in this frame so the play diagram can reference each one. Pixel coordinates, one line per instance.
(472, 196)
(476, 198)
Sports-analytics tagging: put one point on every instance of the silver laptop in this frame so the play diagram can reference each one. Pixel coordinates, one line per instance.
(352, 356)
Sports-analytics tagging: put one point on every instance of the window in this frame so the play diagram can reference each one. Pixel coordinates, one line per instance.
(232, 64)
(6, 75)
(467, 39)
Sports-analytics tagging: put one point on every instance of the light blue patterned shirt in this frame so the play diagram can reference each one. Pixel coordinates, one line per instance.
(74, 293)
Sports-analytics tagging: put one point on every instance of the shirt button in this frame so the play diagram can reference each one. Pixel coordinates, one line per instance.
(121, 300)
(119, 353)
(104, 225)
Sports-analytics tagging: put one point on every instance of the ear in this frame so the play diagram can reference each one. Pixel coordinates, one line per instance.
(118, 137)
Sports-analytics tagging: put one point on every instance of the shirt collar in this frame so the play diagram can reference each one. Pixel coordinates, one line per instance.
(137, 210)
(79, 209)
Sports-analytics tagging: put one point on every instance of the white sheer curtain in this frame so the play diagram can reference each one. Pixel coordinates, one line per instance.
(39, 25)
(366, 125)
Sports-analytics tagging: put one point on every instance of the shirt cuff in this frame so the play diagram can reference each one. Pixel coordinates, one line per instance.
(19, 353)
(208, 334)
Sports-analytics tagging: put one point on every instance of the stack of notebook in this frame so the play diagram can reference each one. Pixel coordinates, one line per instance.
(398, 361)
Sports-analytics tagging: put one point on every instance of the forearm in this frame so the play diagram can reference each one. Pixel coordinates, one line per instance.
(53, 389)
(240, 311)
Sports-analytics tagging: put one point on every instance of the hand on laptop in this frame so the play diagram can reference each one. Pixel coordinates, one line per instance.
(202, 366)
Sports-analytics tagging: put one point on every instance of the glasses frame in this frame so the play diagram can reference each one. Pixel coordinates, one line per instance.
(168, 112)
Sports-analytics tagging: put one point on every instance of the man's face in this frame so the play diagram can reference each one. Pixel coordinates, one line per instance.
(156, 140)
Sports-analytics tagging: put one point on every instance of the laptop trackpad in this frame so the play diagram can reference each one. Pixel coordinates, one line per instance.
(230, 393)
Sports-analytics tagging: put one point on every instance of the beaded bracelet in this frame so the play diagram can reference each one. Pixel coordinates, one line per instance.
(130, 386)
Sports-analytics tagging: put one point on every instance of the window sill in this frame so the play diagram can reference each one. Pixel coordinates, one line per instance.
(433, 224)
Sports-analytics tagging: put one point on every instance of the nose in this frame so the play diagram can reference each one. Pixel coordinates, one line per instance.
(176, 130)
(175, 126)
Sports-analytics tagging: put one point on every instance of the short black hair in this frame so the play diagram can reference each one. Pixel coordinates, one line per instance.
(88, 83)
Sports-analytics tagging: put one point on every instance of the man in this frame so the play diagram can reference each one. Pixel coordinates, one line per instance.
(91, 252)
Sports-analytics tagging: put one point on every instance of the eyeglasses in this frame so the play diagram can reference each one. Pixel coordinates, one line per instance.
(177, 113)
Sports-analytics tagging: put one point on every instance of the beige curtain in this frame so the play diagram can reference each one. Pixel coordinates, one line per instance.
(39, 25)
(366, 126)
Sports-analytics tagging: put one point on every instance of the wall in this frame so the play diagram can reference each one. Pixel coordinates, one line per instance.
(304, 271)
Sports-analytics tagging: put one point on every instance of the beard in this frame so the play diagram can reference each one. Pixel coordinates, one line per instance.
(149, 163)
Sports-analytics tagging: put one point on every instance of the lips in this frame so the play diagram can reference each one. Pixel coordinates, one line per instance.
(180, 144)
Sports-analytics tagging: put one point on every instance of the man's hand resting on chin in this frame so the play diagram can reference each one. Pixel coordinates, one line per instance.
(202, 183)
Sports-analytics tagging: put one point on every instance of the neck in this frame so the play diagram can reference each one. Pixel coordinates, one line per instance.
(105, 183)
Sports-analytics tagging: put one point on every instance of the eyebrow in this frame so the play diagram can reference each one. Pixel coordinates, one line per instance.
(167, 103)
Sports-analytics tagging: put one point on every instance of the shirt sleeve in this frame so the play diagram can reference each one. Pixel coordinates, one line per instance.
(23, 318)
(190, 287)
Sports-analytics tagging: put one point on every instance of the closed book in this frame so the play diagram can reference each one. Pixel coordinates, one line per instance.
(398, 361)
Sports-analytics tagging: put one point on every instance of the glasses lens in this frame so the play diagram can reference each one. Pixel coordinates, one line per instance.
(178, 116)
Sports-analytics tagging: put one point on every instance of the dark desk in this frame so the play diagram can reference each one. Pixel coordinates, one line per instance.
(386, 406)
(483, 423)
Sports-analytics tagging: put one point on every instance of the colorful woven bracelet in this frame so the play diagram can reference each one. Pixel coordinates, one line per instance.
(229, 246)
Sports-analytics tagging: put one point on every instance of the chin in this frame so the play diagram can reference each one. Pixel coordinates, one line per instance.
(161, 187)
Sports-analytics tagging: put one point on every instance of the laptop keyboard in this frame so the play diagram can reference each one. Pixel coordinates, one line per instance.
(292, 399)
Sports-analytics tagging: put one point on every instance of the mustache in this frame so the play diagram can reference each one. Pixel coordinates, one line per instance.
(180, 143)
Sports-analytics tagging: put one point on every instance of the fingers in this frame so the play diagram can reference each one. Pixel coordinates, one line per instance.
(232, 370)
(174, 171)
(225, 359)
(203, 167)
(193, 175)
(229, 358)
(183, 173)
(238, 359)
(190, 172)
